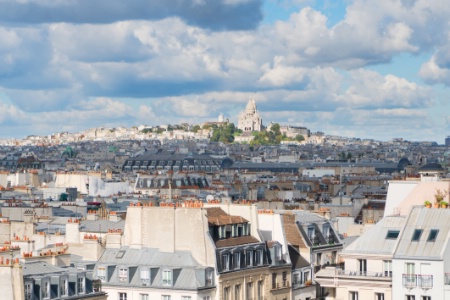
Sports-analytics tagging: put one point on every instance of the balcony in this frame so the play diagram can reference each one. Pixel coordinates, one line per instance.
(363, 273)
(425, 281)
(281, 285)
(409, 280)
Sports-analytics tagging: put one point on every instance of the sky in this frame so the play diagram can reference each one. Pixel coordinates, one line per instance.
(377, 69)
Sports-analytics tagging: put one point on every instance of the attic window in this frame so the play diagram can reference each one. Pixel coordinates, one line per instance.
(392, 234)
(120, 254)
(417, 234)
(432, 235)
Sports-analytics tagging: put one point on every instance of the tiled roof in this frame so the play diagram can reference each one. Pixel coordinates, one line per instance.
(293, 235)
(236, 241)
(217, 216)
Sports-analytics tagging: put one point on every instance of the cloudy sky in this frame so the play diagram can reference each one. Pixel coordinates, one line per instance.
(359, 68)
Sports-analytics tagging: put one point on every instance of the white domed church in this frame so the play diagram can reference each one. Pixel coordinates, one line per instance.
(249, 119)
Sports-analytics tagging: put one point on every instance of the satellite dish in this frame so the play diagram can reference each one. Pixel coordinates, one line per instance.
(209, 197)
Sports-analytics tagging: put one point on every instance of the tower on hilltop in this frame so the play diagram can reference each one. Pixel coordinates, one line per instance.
(249, 119)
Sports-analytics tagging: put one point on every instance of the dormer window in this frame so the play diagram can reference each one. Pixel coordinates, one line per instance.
(259, 257)
(167, 277)
(46, 290)
(278, 255)
(101, 274)
(222, 232)
(209, 277)
(145, 277)
(249, 258)
(28, 290)
(64, 287)
(236, 260)
(81, 284)
(123, 274)
(311, 233)
(225, 262)
(326, 230)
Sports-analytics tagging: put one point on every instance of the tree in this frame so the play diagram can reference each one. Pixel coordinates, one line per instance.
(196, 128)
(299, 138)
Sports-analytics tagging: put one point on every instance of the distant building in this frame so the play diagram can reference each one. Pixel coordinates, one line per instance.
(249, 119)
(447, 141)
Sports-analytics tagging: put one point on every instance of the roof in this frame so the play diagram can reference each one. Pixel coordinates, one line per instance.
(40, 268)
(100, 225)
(217, 216)
(424, 219)
(293, 235)
(377, 236)
(432, 167)
(236, 241)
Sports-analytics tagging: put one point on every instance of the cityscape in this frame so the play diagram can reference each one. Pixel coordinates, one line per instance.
(224, 150)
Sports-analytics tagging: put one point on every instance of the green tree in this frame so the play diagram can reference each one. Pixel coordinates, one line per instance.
(195, 128)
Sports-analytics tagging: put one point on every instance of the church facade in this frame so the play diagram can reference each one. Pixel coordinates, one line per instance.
(249, 119)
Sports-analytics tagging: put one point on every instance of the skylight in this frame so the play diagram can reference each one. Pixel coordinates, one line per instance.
(392, 234)
(432, 235)
(417, 234)
(120, 254)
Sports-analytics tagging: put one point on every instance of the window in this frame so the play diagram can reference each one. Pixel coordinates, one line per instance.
(249, 290)
(311, 233)
(186, 298)
(362, 266)
(165, 297)
(206, 297)
(258, 257)
(326, 230)
(284, 277)
(63, 289)
(425, 298)
(101, 274)
(249, 258)
(80, 287)
(392, 234)
(209, 277)
(318, 259)
(167, 277)
(432, 236)
(416, 235)
(226, 293)
(410, 278)
(225, 262)
(274, 280)
(120, 254)
(410, 297)
(379, 296)
(123, 274)
(46, 290)
(260, 289)
(353, 295)
(237, 292)
(28, 291)
(387, 266)
(145, 276)
(236, 260)
(143, 296)
(222, 233)
(122, 296)
(306, 276)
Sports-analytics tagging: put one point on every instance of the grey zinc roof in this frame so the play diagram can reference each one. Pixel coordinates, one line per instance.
(426, 219)
(374, 240)
(100, 225)
(188, 274)
(40, 268)
(303, 216)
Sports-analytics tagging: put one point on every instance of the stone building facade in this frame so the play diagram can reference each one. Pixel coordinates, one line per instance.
(249, 119)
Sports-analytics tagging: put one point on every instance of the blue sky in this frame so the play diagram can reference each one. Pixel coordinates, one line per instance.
(365, 68)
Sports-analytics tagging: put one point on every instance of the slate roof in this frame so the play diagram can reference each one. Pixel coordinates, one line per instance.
(100, 225)
(40, 268)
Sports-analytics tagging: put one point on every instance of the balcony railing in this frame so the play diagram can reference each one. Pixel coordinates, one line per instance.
(447, 279)
(425, 281)
(409, 280)
(364, 273)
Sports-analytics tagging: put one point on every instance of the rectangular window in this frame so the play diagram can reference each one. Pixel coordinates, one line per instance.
(311, 233)
(63, 289)
(387, 268)
(362, 266)
(319, 259)
(249, 290)
(432, 236)
(101, 274)
(249, 258)
(122, 296)
(392, 234)
(226, 293)
(274, 280)
(143, 296)
(28, 291)
(46, 290)
(123, 274)
(425, 298)
(416, 235)
(80, 285)
(225, 262)
(410, 297)
(167, 277)
(237, 292)
(186, 298)
(145, 276)
(209, 277)
(284, 278)
(259, 257)
(353, 295)
(326, 230)
(379, 296)
(236, 260)
(260, 289)
(165, 297)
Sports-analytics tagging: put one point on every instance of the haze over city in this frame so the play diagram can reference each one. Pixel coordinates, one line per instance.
(370, 69)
